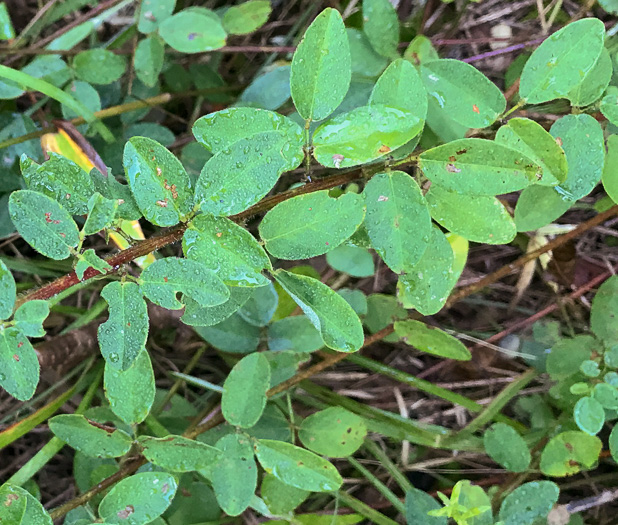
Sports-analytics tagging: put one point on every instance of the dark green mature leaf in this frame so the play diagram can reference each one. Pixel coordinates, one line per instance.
(418, 504)
(610, 170)
(355, 261)
(101, 214)
(589, 415)
(334, 432)
(297, 467)
(161, 280)
(29, 318)
(310, 225)
(19, 507)
(177, 453)
(90, 438)
(19, 366)
(193, 30)
(364, 60)
(246, 17)
(381, 25)
(594, 83)
(239, 176)
(295, 333)
(196, 315)
(7, 291)
(279, 497)
(567, 355)
(220, 130)
(362, 135)
(604, 311)
(462, 92)
(140, 498)
(233, 335)
(478, 218)
(60, 179)
(131, 392)
(99, 66)
(529, 502)
(479, 167)
(124, 334)
(506, 447)
(570, 452)
(152, 13)
(227, 249)
(531, 139)
(234, 477)
(338, 324)
(398, 221)
(244, 391)
(261, 306)
(558, 65)
(43, 223)
(162, 189)
(321, 72)
(432, 340)
(148, 60)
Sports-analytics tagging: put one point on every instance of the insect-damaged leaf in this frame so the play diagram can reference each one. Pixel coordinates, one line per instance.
(19, 507)
(90, 438)
(193, 30)
(321, 70)
(177, 453)
(19, 366)
(479, 167)
(43, 223)
(124, 334)
(570, 452)
(162, 189)
(337, 322)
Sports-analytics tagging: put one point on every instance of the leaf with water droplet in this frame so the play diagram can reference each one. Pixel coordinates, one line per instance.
(479, 167)
(295, 333)
(177, 453)
(529, 502)
(89, 259)
(321, 71)
(432, 340)
(124, 334)
(310, 225)
(558, 65)
(506, 447)
(365, 62)
(363, 134)
(162, 189)
(19, 366)
(7, 291)
(43, 223)
(381, 25)
(193, 30)
(101, 214)
(29, 317)
(337, 322)
(196, 315)
(589, 415)
(19, 507)
(418, 504)
(594, 83)
(261, 305)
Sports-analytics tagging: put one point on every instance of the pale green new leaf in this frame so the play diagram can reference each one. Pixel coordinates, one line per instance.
(570, 452)
(432, 340)
(246, 17)
(29, 317)
(177, 453)
(19, 366)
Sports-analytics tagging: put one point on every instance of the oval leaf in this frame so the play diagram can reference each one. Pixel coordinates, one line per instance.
(431, 340)
(337, 322)
(193, 31)
(529, 502)
(334, 432)
(99, 66)
(381, 25)
(604, 311)
(148, 60)
(19, 507)
(295, 333)
(19, 365)
(196, 315)
(246, 17)
(7, 291)
(589, 415)
(177, 453)
(310, 225)
(233, 335)
(610, 171)
(506, 447)
(29, 317)
(569, 453)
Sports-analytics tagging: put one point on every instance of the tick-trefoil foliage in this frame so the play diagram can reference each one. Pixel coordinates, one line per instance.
(419, 113)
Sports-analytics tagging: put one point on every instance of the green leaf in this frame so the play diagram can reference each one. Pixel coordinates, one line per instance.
(381, 25)
(7, 291)
(356, 299)
(594, 83)
(152, 13)
(161, 280)
(529, 502)
(333, 432)
(269, 90)
(60, 179)
(7, 32)
(604, 310)
(287, 305)
(83, 93)
(432, 340)
(420, 50)
(227, 249)
(124, 334)
(589, 415)
(606, 394)
(280, 498)
(474, 498)
(426, 287)
(29, 318)
(90, 438)
(418, 504)
(261, 306)
(19, 366)
(567, 355)
(239, 176)
(233, 335)
(177, 453)
(297, 467)
(321, 71)
(161, 187)
(310, 225)
(234, 477)
(338, 324)
(99, 66)
(558, 65)
(478, 167)
(365, 62)
(609, 105)
(101, 214)
(19, 507)
(355, 261)
(131, 392)
(610, 170)
(537, 206)
(613, 442)
(43, 223)
(197, 315)
(478, 218)
(398, 221)
(462, 92)
(244, 391)
(295, 333)
(193, 30)
(362, 135)
(506, 447)
(89, 259)
(148, 60)
(531, 139)
(220, 130)
(570, 452)
(140, 498)
(382, 311)
(246, 17)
